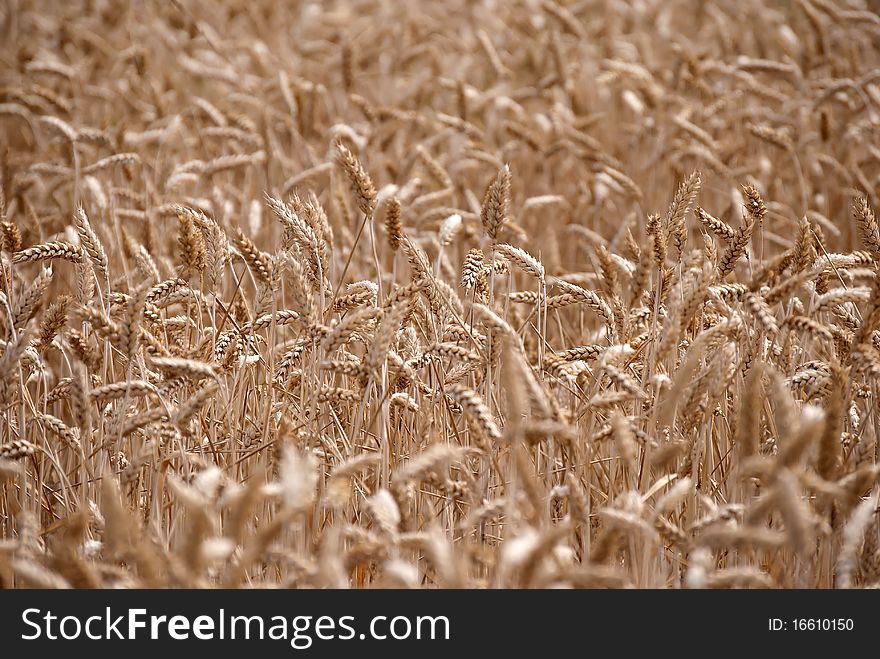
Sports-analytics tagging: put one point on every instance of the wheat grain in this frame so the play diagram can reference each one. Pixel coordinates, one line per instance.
(554, 388)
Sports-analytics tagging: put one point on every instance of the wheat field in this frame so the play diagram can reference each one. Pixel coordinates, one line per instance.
(525, 294)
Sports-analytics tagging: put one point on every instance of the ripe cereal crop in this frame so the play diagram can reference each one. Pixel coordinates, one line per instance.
(480, 294)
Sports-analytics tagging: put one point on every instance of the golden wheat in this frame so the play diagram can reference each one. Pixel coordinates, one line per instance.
(622, 329)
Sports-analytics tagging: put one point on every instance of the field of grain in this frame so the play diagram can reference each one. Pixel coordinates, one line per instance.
(440, 294)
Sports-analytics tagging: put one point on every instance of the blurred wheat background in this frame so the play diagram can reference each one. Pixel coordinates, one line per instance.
(439, 294)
